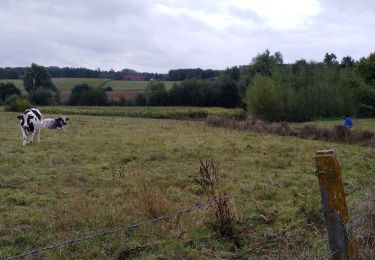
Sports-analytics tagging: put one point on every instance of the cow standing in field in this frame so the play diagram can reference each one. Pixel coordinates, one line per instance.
(31, 121)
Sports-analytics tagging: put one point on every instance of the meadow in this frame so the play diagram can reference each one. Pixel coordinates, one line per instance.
(146, 111)
(106, 172)
(67, 84)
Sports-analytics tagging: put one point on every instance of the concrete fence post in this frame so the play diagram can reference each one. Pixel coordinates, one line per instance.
(335, 209)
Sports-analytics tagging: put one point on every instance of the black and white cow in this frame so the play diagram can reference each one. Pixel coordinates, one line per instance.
(31, 121)
(57, 123)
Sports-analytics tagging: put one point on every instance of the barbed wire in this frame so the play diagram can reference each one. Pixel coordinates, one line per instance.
(197, 206)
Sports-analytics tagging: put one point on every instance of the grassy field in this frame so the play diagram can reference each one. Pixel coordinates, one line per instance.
(66, 84)
(146, 112)
(122, 85)
(17, 82)
(107, 172)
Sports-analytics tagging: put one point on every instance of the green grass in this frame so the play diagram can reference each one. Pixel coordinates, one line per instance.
(17, 82)
(92, 177)
(66, 84)
(122, 85)
(146, 112)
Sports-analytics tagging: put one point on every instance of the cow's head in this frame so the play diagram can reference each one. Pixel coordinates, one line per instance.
(26, 120)
(63, 120)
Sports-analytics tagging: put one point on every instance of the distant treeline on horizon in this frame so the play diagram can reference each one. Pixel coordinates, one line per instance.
(125, 74)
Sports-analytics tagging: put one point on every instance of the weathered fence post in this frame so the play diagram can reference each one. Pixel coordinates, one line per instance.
(334, 205)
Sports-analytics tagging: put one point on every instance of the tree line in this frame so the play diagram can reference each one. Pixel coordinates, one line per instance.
(124, 74)
(268, 88)
(307, 90)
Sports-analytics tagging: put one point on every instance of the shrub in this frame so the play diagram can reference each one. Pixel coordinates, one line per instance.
(156, 93)
(141, 100)
(337, 133)
(42, 97)
(7, 89)
(85, 95)
(17, 104)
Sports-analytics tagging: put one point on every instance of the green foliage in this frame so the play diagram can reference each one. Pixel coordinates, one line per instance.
(301, 91)
(268, 100)
(17, 104)
(156, 93)
(184, 74)
(85, 95)
(265, 63)
(222, 92)
(141, 100)
(366, 69)
(7, 89)
(229, 93)
(42, 97)
(347, 62)
(330, 59)
(37, 77)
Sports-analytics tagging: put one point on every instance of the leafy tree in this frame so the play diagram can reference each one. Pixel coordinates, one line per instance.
(188, 93)
(347, 62)
(211, 93)
(176, 95)
(42, 97)
(85, 95)
(7, 89)
(140, 100)
(10, 73)
(156, 93)
(265, 63)
(366, 69)
(234, 73)
(330, 59)
(261, 98)
(37, 77)
(229, 93)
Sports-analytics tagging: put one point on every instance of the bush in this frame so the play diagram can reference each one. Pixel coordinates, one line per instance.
(42, 97)
(141, 100)
(17, 104)
(7, 89)
(85, 95)
(156, 93)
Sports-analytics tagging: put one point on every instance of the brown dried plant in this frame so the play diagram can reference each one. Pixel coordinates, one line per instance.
(209, 181)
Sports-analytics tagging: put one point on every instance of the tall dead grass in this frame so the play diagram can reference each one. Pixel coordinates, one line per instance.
(364, 227)
(338, 133)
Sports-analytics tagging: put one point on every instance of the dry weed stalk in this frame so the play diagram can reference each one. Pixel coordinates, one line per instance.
(209, 181)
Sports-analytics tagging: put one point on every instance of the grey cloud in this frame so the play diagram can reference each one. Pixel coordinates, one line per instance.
(135, 34)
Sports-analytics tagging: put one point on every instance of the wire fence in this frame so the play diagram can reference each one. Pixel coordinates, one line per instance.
(198, 206)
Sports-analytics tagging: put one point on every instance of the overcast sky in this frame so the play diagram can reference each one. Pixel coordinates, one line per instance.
(159, 35)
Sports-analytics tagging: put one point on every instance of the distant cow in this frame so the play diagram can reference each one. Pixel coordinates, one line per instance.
(31, 121)
(57, 123)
